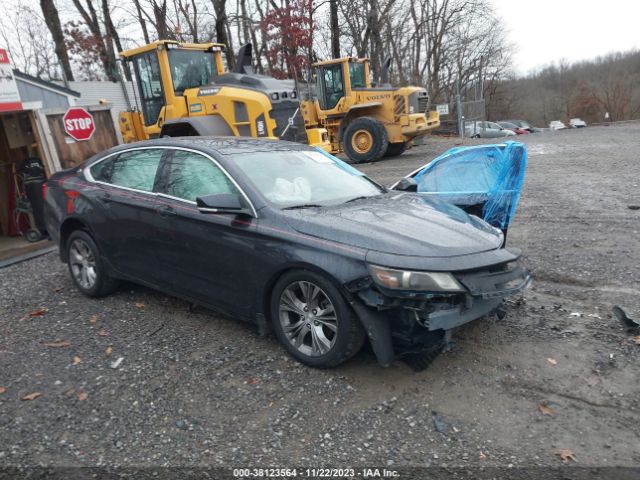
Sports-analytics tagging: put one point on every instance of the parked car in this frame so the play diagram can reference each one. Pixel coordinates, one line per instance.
(486, 130)
(513, 127)
(577, 123)
(557, 125)
(282, 235)
(522, 124)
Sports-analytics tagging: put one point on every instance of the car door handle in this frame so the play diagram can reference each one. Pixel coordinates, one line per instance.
(167, 211)
(105, 197)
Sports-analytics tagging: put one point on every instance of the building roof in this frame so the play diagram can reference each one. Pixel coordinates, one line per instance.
(44, 83)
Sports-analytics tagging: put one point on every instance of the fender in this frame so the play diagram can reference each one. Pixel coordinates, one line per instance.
(202, 126)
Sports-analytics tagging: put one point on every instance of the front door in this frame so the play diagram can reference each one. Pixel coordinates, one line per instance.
(206, 257)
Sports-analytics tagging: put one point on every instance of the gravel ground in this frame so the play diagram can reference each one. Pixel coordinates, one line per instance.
(146, 382)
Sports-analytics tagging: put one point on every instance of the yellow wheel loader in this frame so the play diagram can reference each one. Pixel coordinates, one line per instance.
(183, 89)
(367, 122)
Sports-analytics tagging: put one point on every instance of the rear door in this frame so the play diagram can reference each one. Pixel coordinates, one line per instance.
(484, 180)
(206, 257)
(127, 199)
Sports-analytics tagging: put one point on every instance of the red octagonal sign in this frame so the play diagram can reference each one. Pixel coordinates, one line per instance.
(78, 123)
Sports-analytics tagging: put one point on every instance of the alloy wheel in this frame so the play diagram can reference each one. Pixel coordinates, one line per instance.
(83, 264)
(308, 318)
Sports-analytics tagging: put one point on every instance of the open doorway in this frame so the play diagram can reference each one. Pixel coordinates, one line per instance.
(21, 176)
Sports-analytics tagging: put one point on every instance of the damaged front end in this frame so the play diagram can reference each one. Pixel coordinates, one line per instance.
(410, 314)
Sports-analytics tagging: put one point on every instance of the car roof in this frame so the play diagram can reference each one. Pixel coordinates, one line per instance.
(213, 145)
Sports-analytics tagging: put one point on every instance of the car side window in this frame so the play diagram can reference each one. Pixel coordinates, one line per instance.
(192, 175)
(135, 169)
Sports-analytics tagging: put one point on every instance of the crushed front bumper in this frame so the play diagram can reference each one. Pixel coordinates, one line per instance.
(398, 322)
(485, 292)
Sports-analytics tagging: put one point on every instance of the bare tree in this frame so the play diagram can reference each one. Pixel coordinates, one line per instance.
(52, 19)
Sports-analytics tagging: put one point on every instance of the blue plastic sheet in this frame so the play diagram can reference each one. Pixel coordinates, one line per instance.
(491, 175)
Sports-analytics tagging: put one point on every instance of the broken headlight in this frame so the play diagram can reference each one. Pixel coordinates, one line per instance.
(410, 280)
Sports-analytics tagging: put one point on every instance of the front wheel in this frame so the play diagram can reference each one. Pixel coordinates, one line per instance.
(365, 140)
(87, 267)
(313, 321)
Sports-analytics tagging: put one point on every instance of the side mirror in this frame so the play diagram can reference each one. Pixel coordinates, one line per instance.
(222, 203)
(407, 184)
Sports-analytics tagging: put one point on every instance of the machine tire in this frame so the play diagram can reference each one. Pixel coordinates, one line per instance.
(295, 298)
(102, 283)
(365, 140)
(395, 149)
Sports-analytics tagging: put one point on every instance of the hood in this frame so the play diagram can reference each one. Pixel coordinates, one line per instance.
(399, 223)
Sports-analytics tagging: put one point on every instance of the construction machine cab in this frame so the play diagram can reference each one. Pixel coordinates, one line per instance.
(165, 69)
(337, 79)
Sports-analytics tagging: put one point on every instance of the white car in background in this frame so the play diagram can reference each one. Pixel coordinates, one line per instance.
(557, 125)
(486, 130)
(577, 123)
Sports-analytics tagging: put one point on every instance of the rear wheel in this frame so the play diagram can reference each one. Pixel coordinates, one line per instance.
(365, 140)
(86, 266)
(395, 149)
(313, 321)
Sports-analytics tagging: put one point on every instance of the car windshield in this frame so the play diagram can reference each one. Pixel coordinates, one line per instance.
(289, 179)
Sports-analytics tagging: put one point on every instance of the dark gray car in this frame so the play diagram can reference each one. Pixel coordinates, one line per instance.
(284, 236)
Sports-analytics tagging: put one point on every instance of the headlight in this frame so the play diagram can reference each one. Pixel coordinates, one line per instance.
(408, 280)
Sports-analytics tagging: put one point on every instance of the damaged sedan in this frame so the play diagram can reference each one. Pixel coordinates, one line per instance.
(292, 239)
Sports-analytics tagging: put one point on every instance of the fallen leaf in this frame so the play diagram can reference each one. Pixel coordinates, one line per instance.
(39, 312)
(32, 396)
(252, 381)
(482, 456)
(103, 333)
(58, 344)
(636, 340)
(77, 360)
(566, 455)
(70, 392)
(82, 396)
(109, 350)
(2, 389)
(546, 410)
(139, 305)
(93, 319)
(56, 289)
(552, 361)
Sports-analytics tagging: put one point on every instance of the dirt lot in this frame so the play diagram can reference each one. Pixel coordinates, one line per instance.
(197, 389)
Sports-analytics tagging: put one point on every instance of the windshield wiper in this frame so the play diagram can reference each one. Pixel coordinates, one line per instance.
(306, 205)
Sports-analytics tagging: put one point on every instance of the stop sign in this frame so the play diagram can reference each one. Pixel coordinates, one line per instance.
(78, 123)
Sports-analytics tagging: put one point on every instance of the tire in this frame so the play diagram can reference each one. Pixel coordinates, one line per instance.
(83, 255)
(365, 140)
(33, 235)
(319, 344)
(395, 149)
(477, 135)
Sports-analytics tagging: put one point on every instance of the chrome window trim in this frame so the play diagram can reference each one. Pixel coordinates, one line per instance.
(87, 174)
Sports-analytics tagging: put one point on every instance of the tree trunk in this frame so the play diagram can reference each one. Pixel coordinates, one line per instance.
(335, 29)
(221, 29)
(142, 21)
(52, 19)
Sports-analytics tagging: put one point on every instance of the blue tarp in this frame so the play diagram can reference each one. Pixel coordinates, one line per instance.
(488, 174)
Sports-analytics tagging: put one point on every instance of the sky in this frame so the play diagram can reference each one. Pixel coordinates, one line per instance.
(544, 31)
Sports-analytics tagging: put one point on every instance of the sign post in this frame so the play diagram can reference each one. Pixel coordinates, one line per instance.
(9, 94)
(78, 124)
